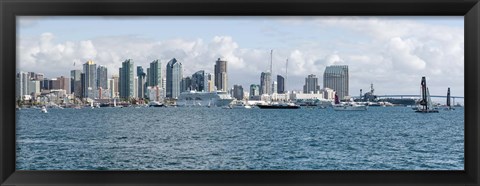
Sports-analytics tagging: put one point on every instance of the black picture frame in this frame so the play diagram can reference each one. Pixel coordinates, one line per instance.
(9, 9)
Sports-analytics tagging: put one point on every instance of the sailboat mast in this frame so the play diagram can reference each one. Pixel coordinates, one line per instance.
(448, 97)
(424, 93)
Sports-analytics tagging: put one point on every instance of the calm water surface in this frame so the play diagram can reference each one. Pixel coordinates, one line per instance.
(390, 138)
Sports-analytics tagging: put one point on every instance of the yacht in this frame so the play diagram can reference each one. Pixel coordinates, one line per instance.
(155, 104)
(347, 106)
(279, 106)
(204, 99)
(44, 109)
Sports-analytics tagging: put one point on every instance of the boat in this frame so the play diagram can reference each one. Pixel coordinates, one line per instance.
(347, 106)
(240, 105)
(44, 109)
(204, 99)
(448, 106)
(425, 104)
(155, 104)
(91, 105)
(279, 106)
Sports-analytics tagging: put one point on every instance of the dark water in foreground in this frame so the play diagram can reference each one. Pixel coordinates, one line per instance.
(391, 138)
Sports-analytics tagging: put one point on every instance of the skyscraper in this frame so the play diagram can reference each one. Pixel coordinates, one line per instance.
(186, 84)
(116, 86)
(90, 71)
(274, 87)
(75, 82)
(280, 84)
(62, 83)
(209, 82)
(102, 78)
(154, 74)
(336, 78)
(254, 90)
(238, 92)
(198, 81)
(265, 83)
(174, 78)
(311, 84)
(141, 88)
(127, 78)
(221, 78)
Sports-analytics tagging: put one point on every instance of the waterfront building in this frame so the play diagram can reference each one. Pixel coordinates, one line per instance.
(111, 88)
(328, 93)
(254, 90)
(238, 92)
(220, 75)
(198, 81)
(209, 82)
(21, 85)
(127, 79)
(90, 73)
(141, 82)
(102, 78)
(33, 88)
(154, 74)
(38, 77)
(116, 86)
(155, 93)
(265, 83)
(46, 84)
(274, 87)
(311, 84)
(280, 84)
(62, 83)
(75, 84)
(186, 84)
(135, 87)
(174, 78)
(82, 84)
(336, 78)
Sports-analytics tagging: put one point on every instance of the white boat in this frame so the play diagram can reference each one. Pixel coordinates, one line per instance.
(91, 105)
(155, 104)
(204, 99)
(347, 106)
(240, 105)
(425, 105)
(44, 109)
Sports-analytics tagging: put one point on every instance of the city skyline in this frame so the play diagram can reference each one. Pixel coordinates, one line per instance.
(404, 53)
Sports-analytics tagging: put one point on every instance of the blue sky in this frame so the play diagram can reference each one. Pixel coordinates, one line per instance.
(375, 48)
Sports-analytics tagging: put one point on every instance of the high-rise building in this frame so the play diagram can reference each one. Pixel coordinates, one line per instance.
(238, 92)
(111, 87)
(186, 84)
(174, 78)
(254, 90)
(116, 86)
(311, 84)
(280, 84)
(141, 82)
(274, 87)
(33, 87)
(154, 74)
(102, 78)
(265, 83)
(38, 77)
(75, 84)
(198, 81)
(209, 82)
(46, 84)
(221, 78)
(90, 83)
(62, 83)
(127, 79)
(336, 78)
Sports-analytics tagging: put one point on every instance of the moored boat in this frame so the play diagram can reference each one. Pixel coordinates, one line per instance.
(348, 106)
(279, 106)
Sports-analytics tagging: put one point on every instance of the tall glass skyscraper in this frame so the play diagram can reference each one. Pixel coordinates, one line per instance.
(174, 78)
(311, 84)
(265, 83)
(102, 78)
(220, 74)
(336, 78)
(127, 78)
(75, 82)
(198, 81)
(90, 81)
(141, 82)
(154, 74)
(280, 84)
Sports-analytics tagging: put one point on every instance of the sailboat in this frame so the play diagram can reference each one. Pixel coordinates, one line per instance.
(425, 105)
(44, 109)
(448, 106)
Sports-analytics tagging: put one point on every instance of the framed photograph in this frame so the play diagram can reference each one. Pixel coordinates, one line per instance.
(239, 92)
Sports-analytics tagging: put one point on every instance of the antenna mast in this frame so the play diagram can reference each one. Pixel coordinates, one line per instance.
(286, 77)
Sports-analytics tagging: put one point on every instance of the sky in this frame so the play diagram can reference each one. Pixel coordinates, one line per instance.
(393, 53)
